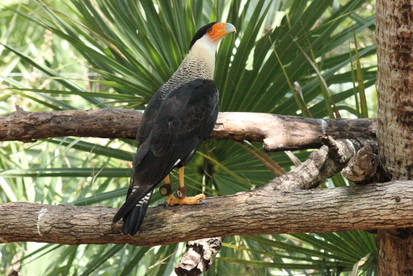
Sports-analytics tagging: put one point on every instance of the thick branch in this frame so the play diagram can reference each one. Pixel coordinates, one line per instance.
(382, 206)
(276, 131)
(106, 123)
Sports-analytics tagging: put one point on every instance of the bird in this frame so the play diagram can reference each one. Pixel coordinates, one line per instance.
(179, 116)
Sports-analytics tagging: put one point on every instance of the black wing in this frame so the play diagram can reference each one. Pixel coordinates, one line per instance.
(186, 117)
(150, 114)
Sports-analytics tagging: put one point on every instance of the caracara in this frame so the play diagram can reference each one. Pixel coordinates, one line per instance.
(179, 116)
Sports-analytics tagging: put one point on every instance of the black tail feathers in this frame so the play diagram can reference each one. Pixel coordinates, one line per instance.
(133, 211)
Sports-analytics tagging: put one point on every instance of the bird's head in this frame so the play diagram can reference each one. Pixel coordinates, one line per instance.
(211, 34)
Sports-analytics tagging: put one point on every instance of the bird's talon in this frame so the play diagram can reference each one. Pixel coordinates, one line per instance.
(171, 200)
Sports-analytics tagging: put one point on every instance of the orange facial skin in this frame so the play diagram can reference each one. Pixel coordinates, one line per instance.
(217, 31)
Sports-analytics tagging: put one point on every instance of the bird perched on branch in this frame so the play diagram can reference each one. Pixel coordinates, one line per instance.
(179, 116)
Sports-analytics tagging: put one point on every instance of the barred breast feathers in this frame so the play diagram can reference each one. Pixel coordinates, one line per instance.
(199, 63)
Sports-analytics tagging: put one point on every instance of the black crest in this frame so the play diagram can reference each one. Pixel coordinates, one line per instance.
(200, 33)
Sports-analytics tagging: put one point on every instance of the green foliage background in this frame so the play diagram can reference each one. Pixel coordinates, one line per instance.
(58, 55)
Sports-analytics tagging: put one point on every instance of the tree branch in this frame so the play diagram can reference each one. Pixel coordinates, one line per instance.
(320, 165)
(363, 168)
(382, 206)
(199, 256)
(276, 131)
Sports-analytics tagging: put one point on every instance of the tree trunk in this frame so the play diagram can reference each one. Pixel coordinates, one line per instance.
(394, 36)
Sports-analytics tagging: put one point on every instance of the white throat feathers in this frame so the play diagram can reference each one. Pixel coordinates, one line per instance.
(204, 51)
(199, 63)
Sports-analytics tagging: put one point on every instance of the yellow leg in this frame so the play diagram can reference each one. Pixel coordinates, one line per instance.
(181, 177)
(181, 189)
(182, 199)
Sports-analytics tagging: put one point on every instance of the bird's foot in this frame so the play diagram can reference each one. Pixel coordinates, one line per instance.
(171, 200)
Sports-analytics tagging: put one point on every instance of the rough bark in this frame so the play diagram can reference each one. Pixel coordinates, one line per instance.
(395, 86)
(394, 36)
(320, 165)
(376, 206)
(363, 167)
(106, 123)
(398, 242)
(199, 256)
(276, 131)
